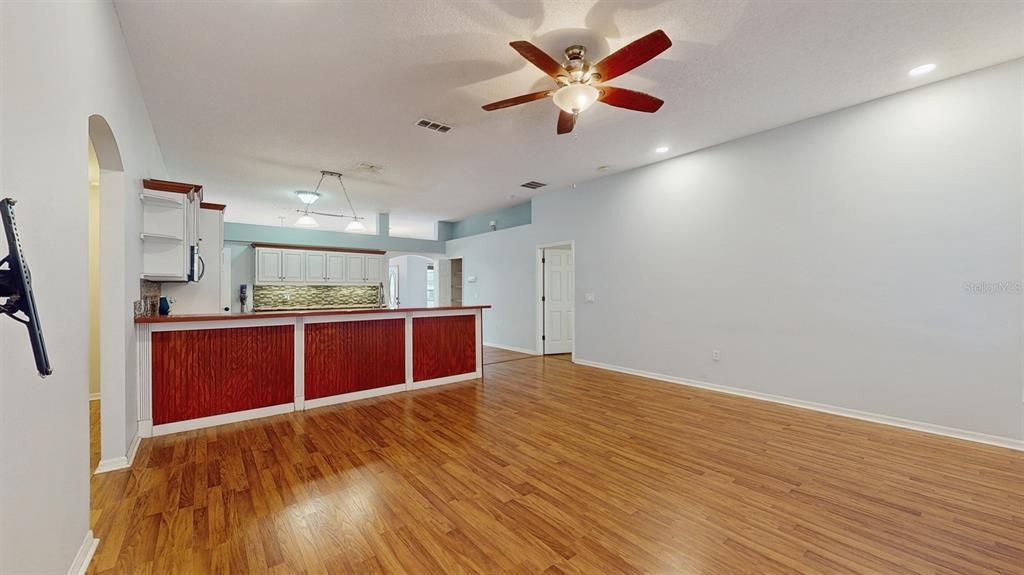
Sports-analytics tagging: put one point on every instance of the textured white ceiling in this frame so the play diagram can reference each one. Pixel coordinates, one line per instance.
(252, 99)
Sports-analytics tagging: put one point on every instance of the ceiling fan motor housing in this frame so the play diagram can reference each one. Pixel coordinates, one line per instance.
(576, 64)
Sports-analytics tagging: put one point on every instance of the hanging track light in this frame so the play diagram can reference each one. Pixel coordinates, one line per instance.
(307, 220)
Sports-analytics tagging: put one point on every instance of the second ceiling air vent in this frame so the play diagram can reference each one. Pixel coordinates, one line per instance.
(533, 185)
(435, 126)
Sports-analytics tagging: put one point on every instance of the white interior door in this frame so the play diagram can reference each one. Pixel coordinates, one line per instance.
(558, 300)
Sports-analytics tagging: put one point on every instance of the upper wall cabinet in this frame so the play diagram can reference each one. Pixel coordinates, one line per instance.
(296, 265)
(374, 269)
(170, 230)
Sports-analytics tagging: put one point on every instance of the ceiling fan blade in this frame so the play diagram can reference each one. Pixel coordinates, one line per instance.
(538, 58)
(629, 99)
(516, 101)
(632, 55)
(566, 122)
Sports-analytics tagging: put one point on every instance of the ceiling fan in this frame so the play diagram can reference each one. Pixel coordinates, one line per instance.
(580, 82)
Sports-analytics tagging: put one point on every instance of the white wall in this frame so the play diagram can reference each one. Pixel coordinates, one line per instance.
(827, 260)
(412, 279)
(61, 62)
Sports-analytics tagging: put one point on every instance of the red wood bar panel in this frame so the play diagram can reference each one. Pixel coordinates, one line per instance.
(198, 373)
(443, 346)
(347, 356)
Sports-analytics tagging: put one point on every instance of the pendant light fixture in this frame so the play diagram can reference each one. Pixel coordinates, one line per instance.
(306, 219)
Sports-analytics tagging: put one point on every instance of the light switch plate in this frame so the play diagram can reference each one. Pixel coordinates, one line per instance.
(588, 298)
(471, 279)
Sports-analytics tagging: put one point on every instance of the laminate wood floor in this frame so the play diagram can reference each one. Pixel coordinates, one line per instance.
(545, 466)
(497, 355)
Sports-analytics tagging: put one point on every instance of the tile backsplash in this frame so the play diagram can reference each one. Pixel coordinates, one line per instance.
(284, 297)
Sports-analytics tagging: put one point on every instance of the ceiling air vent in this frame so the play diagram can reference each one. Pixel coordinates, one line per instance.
(533, 185)
(435, 126)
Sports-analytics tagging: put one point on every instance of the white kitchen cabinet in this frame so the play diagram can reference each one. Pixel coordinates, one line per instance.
(209, 292)
(335, 268)
(170, 230)
(316, 267)
(269, 268)
(355, 268)
(373, 269)
(293, 265)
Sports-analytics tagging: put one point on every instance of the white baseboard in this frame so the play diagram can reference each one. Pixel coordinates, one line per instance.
(222, 419)
(84, 556)
(354, 396)
(1006, 442)
(94, 396)
(112, 464)
(133, 449)
(512, 348)
(123, 462)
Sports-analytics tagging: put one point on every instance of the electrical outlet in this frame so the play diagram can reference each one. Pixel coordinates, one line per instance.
(716, 355)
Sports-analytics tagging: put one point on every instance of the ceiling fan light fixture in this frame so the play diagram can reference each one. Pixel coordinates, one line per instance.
(576, 98)
(307, 221)
(355, 226)
(307, 197)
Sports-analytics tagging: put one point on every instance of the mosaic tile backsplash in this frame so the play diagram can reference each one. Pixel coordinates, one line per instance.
(271, 297)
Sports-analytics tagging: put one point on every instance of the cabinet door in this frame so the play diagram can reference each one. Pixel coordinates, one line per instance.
(316, 267)
(268, 266)
(292, 265)
(373, 274)
(355, 269)
(335, 268)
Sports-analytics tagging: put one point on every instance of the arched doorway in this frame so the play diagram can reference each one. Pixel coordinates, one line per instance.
(412, 280)
(109, 319)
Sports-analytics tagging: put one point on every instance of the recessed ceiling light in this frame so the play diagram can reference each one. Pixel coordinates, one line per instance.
(922, 70)
(661, 150)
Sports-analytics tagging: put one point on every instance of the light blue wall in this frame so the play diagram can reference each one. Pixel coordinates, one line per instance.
(275, 234)
(831, 261)
(510, 217)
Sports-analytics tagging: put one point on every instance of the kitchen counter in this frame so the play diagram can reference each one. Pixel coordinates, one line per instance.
(201, 370)
(256, 315)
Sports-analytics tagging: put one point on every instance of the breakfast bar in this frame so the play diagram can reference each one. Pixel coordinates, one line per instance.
(203, 370)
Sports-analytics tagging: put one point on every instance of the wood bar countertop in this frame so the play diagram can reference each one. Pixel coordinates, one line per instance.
(294, 313)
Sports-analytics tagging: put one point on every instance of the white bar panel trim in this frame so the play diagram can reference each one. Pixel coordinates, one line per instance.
(355, 396)
(212, 420)
(299, 352)
(221, 324)
(444, 312)
(353, 317)
(446, 380)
